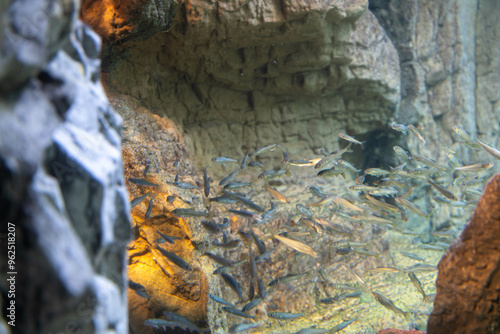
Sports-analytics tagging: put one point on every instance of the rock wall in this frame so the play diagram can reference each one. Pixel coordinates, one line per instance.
(297, 73)
(63, 197)
(292, 72)
(468, 283)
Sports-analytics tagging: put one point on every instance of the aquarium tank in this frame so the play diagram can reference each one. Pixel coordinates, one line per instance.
(249, 166)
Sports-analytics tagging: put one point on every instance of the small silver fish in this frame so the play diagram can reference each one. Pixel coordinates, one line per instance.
(416, 133)
(349, 138)
(400, 128)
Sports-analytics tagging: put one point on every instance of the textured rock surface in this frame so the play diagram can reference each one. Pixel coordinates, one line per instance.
(61, 175)
(151, 140)
(115, 20)
(468, 283)
(447, 51)
(262, 73)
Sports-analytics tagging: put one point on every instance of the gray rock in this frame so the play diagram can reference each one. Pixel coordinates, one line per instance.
(61, 174)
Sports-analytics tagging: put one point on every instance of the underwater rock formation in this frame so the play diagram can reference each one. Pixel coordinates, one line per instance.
(468, 282)
(263, 73)
(63, 203)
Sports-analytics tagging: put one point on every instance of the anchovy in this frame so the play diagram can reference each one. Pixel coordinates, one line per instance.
(237, 185)
(276, 194)
(413, 256)
(264, 149)
(400, 128)
(346, 204)
(344, 163)
(297, 245)
(244, 201)
(251, 304)
(188, 325)
(349, 138)
(167, 238)
(491, 150)
(223, 160)
(260, 245)
(179, 212)
(416, 133)
(341, 326)
(206, 183)
(219, 259)
(256, 164)
(175, 259)
(141, 182)
(303, 210)
(138, 200)
(387, 303)
(401, 153)
(184, 185)
(417, 284)
(272, 174)
(228, 178)
(285, 316)
(243, 165)
(317, 191)
(475, 167)
(150, 208)
(410, 206)
(233, 284)
(443, 191)
(243, 327)
(376, 172)
(213, 227)
(428, 162)
(221, 301)
(334, 171)
(229, 244)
